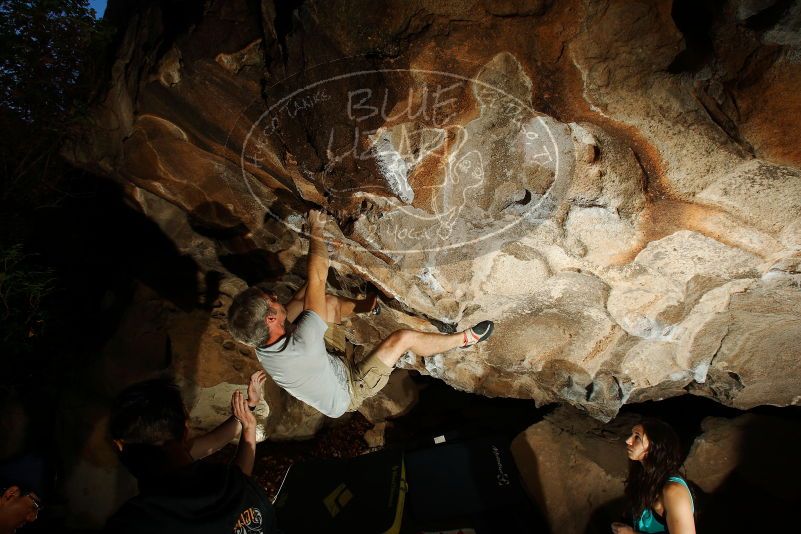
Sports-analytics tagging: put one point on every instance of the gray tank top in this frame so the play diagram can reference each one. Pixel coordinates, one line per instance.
(299, 363)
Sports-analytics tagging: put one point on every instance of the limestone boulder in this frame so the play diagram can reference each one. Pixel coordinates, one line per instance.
(375, 436)
(574, 469)
(619, 197)
(756, 450)
(748, 463)
(734, 341)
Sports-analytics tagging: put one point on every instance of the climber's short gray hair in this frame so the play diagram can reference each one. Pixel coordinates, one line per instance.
(246, 316)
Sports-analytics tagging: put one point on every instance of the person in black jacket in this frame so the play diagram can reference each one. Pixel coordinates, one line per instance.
(177, 494)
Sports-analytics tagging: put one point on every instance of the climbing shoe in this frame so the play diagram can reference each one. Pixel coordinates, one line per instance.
(477, 333)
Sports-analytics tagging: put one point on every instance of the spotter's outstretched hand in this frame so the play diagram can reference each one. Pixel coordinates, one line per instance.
(255, 388)
(239, 407)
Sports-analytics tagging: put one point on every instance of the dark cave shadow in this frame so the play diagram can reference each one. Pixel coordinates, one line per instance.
(696, 21)
(761, 494)
(601, 519)
(526, 456)
(255, 266)
(121, 278)
(215, 221)
(236, 251)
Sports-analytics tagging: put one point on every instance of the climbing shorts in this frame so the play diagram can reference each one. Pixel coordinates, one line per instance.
(366, 379)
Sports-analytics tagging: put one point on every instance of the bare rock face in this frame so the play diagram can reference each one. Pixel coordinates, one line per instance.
(573, 467)
(750, 464)
(613, 185)
(757, 450)
(396, 399)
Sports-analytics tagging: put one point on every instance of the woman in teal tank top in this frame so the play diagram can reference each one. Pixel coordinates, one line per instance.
(659, 499)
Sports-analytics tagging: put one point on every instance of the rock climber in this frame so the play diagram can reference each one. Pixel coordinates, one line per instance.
(289, 340)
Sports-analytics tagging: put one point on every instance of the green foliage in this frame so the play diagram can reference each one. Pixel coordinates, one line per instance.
(23, 287)
(43, 44)
(48, 50)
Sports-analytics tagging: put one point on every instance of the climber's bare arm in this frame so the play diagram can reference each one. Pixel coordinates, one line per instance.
(336, 308)
(295, 306)
(317, 266)
(211, 442)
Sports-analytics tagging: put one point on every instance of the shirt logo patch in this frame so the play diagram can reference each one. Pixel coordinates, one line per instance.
(249, 521)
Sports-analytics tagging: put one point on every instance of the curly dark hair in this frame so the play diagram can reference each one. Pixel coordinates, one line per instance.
(145, 416)
(662, 460)
(149, 412)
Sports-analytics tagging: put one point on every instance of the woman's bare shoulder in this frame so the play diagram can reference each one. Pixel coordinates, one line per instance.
(674, 492)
